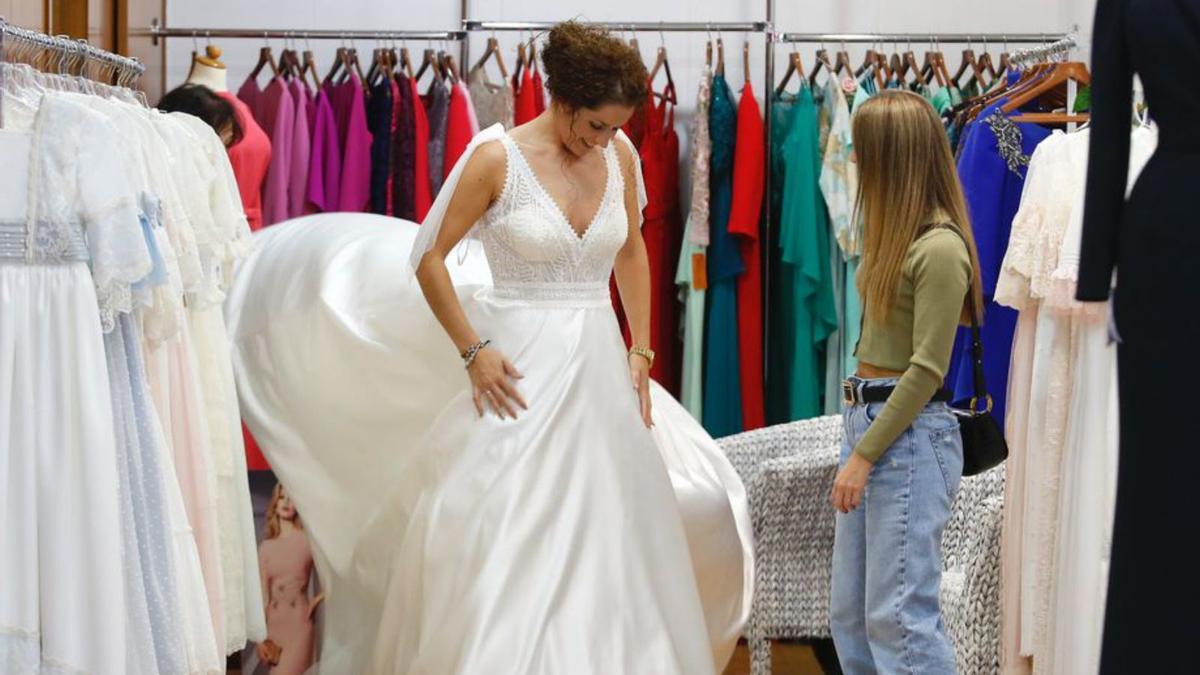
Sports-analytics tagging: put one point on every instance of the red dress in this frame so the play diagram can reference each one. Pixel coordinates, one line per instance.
(458, 127)
(524, 105)
(539, 93)
(748, 168)
(424, 195)
(250, 159)
(659, 153)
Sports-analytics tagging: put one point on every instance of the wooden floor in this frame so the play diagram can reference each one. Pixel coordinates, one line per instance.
(787, 659)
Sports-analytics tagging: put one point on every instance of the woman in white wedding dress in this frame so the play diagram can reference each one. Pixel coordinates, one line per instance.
(547, 510)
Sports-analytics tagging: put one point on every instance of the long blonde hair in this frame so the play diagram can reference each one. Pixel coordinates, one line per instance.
(274, 527)
(906, 176)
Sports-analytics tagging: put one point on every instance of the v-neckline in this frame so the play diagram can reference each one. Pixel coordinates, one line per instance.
(579, 236)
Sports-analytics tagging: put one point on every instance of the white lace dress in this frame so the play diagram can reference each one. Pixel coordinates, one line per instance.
(571, 540)
(66, 206)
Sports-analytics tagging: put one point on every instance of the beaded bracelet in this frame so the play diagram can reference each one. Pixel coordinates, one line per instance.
(471, 352)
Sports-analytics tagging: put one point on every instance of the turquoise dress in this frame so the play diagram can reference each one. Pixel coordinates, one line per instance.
(780, 325)
(722, 380)
(804, 264)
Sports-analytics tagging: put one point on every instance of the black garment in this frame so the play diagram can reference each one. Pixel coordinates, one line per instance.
(1154, 242)
(404, 170)
(379, 121)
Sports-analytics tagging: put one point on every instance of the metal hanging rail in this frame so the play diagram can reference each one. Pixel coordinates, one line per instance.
(959, 38)
(130, 68)
(158, 31)
(634, 26)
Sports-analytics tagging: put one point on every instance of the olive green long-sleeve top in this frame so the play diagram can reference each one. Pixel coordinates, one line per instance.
(919, 334)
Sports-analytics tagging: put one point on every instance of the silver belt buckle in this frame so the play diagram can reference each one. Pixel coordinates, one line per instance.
(849, 393)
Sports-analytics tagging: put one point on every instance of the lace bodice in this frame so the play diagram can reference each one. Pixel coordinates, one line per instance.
(533, 251)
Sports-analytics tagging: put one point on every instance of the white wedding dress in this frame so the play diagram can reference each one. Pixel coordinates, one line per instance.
(570, 540)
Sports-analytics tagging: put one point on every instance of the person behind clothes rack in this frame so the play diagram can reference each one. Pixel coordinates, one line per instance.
(902, 459)
(200, 101)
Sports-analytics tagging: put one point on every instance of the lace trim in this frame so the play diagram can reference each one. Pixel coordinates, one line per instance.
(605, 199)
(585, 294)
(20, 652)
(50, 242)
(1009, 140)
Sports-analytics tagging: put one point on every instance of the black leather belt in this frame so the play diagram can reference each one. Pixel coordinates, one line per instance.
(861, 393)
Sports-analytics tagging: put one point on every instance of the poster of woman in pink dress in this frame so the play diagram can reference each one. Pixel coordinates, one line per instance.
(288, 581)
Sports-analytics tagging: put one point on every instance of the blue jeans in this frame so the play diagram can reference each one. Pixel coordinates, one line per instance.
(887, 554)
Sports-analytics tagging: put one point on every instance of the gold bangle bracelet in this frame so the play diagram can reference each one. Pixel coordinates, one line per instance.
(644, 352)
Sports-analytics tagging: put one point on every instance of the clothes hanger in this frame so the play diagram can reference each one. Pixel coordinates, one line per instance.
(265, 58)
(970, 61)
(910, 65)
(310, 66)
(633, 42)
(341, 60)
(842, 63)
(746, 60)
(821, 62)
(662, 62)
(720, 55)
(985, 63)
(492, 51)
(522, 61)
(794, 66)
(1059, 75)
(533, 60)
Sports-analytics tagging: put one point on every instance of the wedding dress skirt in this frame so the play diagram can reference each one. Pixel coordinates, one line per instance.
(570, 540)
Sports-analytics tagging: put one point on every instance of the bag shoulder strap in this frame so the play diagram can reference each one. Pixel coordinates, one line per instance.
(979, 381)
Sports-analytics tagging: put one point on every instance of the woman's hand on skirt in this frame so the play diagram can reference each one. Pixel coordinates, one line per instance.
(493, 384)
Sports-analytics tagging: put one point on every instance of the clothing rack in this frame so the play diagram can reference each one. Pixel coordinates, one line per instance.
(957, 38)
(127, 69)
(1059, 48)
(158, 31)
(634, 26)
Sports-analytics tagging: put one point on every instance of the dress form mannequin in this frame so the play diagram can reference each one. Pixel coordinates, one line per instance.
(208, 70)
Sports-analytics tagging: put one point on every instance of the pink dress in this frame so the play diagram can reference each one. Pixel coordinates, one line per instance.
(297, 189)
(279, 116)
(286, 565)
(325, 159)
(250, 159)
(350, 113)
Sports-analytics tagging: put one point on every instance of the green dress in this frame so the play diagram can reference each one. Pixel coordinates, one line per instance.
(803, 260)
(692, 391)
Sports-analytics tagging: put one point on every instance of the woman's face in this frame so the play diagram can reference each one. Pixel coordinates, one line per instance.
(285, 508)
(594, 127)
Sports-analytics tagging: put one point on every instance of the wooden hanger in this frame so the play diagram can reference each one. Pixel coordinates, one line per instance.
(971, 62)
(448, 67)
(265, 58)
(341, 60)
(533, 60)
(522, 62)
(746, 60)
(493, 51)
(821, 62)
(310, 68)
(842, 64)
(910, 64)
(357, 68)
(427, 61)
(1059, 75)
(662, 63)
(633, 42)
(406, 62)
(720, 56)
(868, 61)
(708, 49)
(794, 66)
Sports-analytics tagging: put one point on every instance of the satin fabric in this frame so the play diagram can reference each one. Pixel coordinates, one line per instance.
(482, 545)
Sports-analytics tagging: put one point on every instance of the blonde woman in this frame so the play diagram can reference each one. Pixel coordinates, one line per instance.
(286, 565)
(902, 460)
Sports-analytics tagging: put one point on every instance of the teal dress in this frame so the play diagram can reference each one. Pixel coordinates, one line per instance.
(722, 380)
(803, 252)
(780, 326)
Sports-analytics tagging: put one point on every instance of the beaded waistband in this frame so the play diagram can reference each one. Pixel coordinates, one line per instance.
(554, 293)
(51, 243)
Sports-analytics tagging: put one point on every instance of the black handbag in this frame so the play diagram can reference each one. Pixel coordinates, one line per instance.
(983, 441)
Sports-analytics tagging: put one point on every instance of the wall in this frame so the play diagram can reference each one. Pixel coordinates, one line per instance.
(686, 50)
(24, 13)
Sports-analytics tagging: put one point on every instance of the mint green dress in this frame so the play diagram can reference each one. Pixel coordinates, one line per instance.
(692, 386)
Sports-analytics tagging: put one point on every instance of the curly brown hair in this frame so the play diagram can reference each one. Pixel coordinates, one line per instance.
(586, 67)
